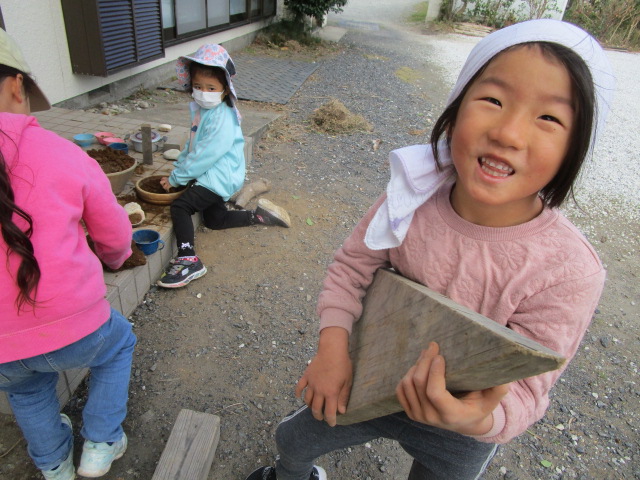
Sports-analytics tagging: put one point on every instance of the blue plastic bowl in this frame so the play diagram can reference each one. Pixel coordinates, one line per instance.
(148, 241)
(122, 147)
(84, 139)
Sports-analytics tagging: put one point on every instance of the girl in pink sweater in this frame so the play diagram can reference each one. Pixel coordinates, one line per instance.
(53, 311)
(472, 216)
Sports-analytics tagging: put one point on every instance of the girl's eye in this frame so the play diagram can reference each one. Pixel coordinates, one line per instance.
(492, 100)
(550, 118)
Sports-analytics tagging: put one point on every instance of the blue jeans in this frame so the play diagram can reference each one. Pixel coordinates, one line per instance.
(31, 387)
(438, 454)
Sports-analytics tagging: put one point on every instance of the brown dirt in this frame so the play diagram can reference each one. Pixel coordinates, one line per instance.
(152, 185)
(111, 161)
(136, 259)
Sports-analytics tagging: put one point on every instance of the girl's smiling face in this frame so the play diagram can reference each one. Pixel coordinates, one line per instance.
(510, 137)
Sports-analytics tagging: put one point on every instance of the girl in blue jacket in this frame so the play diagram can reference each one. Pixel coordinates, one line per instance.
(212, 163)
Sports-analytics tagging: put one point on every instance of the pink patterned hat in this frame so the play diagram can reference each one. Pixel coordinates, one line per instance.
(212, 55)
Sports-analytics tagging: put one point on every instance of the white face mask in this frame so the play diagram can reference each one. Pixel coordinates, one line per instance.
(207, 99)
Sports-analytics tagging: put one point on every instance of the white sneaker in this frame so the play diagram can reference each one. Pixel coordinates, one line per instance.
(97, 458)
(65, 470)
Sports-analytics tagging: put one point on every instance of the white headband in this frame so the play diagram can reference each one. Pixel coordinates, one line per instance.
(414, 177)
(552, 31)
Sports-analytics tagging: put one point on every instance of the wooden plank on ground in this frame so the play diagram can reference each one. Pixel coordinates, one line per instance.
(191, 447)
(400, 318)
(147, 149)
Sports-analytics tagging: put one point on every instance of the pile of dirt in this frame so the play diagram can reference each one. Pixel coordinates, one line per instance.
(152, 185)
(334, 117)
(111, 161)
(136, 259)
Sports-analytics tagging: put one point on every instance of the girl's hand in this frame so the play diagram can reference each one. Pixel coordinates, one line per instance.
(328, 377)
(164, 183)
(423, 395)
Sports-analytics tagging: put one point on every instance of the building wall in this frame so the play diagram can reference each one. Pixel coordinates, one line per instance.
(38, 27)
(520, 6)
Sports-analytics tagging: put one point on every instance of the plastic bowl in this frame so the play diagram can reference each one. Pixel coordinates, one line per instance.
(84, 139)
(123, 147)
(102, 135)
(110, 140)
(148, 241)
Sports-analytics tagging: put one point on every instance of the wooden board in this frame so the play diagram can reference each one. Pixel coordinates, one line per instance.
(147, 155)
(191, 447)
(400, 318)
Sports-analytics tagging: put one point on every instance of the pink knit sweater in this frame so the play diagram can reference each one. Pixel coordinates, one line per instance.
(61, 188)
(542, 279)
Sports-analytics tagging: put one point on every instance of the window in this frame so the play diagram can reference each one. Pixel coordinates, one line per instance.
(106, 36)
(198, 17)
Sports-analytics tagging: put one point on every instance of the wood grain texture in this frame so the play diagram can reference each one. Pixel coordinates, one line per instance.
(191, 447)
(401, 317)
(147, 148)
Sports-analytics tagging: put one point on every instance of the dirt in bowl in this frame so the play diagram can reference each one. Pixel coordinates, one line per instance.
(152, 185)
(110, 160)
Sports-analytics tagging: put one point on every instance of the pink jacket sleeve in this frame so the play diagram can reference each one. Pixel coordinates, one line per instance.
(349, 276)
(106, 220)
(567, 309)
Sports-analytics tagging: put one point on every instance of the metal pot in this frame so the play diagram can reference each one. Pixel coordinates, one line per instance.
(157, 141)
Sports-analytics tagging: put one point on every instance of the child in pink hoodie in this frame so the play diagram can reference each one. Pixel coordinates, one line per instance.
(53, 311)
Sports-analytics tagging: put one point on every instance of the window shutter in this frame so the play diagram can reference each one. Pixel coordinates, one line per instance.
(106, 36)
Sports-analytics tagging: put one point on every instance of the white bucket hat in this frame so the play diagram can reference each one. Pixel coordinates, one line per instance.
(11, 56)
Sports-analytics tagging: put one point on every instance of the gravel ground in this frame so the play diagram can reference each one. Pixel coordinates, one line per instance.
(235, 342)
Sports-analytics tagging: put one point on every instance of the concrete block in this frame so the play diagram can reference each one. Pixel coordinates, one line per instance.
(143, 281)
(176, 138)
(113, 297)
(248, 150)
(156, 265)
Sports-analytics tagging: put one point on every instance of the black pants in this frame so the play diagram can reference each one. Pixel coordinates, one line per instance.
(214, 214)
(438, 454)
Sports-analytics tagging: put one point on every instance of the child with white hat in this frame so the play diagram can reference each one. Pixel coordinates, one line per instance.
(474, 217)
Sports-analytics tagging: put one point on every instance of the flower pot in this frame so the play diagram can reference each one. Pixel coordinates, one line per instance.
(149, 190)
(118, 166)
(118, 180)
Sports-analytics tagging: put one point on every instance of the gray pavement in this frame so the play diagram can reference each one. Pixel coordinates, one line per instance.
(267, 79)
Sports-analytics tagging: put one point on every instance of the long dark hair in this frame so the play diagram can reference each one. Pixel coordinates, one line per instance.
(17, 241)
(561, 185)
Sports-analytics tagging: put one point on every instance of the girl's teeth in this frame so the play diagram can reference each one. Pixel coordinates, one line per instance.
(497, 166)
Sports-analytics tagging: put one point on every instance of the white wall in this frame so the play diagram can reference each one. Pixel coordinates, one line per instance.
(38, 27)
(521, 6)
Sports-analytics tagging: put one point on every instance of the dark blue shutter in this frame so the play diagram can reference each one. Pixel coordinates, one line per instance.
(106, 36)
